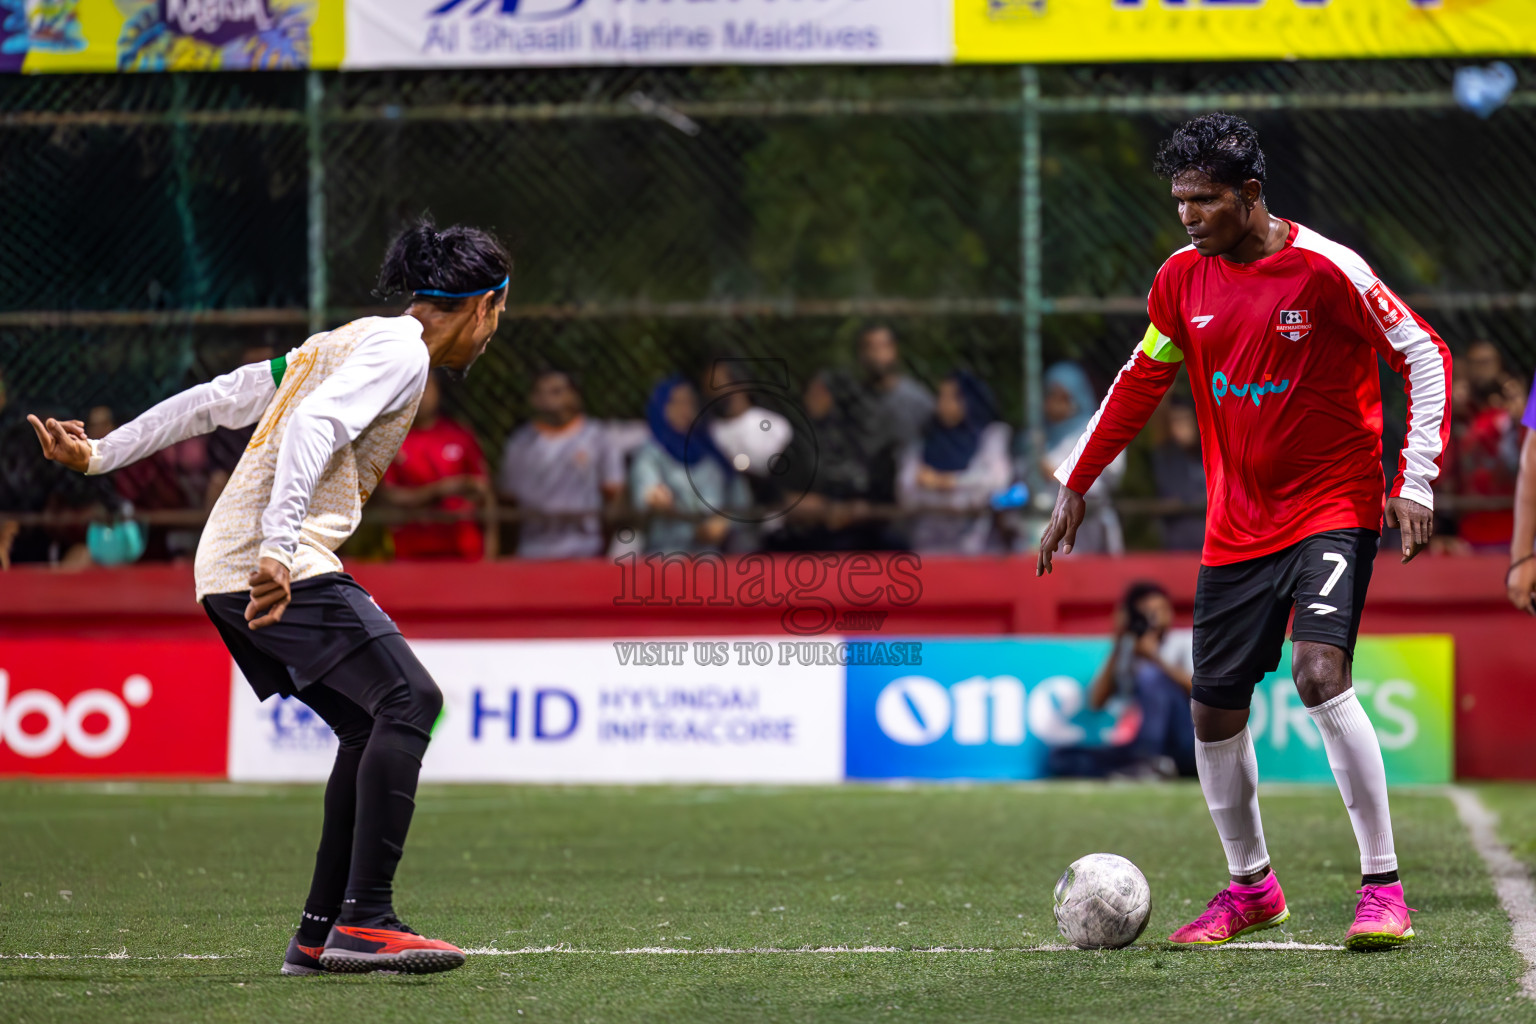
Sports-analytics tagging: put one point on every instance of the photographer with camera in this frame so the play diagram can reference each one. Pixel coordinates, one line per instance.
(1153, 669)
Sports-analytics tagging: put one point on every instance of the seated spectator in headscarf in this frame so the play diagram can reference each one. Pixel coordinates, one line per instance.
(828, 476)
(679, 471)
(560, 468)
(439, 466)
(959, 463)
(1070, 403)
(1179, 476)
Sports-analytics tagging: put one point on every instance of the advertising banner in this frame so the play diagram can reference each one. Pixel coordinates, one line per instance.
(169, 35)
(1037, 31)
(446, 33)
(995, 709)
(113, 708)
(587, 711)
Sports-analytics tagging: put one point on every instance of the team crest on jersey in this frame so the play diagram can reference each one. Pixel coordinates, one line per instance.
(1384, 306)
(1295, 324)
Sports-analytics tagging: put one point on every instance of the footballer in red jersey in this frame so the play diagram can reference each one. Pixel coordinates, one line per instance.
(1279, 329)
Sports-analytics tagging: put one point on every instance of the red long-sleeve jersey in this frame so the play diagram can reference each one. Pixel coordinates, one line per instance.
(1282, 358)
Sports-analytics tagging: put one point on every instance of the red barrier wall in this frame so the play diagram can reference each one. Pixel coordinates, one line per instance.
(1496, 683)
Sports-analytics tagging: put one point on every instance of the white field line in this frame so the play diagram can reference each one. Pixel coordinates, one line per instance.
(710, 951)
(1511, 881)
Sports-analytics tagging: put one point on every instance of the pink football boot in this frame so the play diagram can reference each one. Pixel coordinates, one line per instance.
(1381, 919)
(1236, 910)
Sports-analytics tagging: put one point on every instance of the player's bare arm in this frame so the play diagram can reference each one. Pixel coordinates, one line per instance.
(1061, 532)
(270, 593)
(1520, 579)
(1416, 522)
(63, 442)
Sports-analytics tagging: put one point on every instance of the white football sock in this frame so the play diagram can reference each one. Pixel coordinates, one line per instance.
(1354, 754)
(1229, 777)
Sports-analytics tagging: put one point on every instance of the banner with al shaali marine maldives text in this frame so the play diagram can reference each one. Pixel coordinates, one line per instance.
(1039, 31)
(445, 33)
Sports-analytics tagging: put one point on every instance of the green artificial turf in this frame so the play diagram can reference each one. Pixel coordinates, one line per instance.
(162, 871)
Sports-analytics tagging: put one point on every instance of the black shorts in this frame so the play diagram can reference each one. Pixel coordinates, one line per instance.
(330, 616)
(1241, 610)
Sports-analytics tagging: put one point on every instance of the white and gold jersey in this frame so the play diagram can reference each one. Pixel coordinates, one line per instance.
(330, 417)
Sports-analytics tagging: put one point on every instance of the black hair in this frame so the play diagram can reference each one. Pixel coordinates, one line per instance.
(456, 259)
(869, 327)
(1136, 593)
(1223, 147)
(551, 370)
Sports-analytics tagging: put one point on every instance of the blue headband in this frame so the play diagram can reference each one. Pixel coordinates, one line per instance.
(464, 295)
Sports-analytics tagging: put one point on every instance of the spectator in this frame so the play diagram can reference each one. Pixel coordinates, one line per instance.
(1156, 673)
(680, 472)
(1484, 366)
(828, 475)
(560, 469)
(1483, 456)
(901, 405)
(225, 445)
(1179, 475)
(748, 435)
(961, 460)
(1069, 405)
(439, 466)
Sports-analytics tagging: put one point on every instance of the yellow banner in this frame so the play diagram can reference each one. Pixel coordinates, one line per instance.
(170, 35)
(1029, 31)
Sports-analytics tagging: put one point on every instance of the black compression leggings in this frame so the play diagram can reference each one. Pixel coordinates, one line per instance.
(382, 704)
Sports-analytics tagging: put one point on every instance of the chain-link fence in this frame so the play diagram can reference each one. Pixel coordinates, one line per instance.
(999, 218)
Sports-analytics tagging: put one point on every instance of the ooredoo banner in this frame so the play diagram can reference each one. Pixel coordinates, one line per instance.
(1011, 708)
(587, 711)
(95, 708)
(440, 33)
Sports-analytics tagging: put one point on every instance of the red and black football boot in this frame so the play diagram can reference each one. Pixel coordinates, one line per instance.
(388, 946)
(302, 959)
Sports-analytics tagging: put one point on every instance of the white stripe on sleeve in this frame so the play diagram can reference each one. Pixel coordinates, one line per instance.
(1426, 375)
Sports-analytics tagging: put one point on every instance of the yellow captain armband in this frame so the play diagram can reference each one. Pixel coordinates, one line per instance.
(1159, 346)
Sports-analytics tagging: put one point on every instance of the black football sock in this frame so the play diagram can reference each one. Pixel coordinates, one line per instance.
(333, 861)
(1385, 878)
(386, 799)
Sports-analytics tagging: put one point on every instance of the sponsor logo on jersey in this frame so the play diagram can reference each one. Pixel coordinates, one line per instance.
(1295, 324)
(1221, 387)
(1384, 306)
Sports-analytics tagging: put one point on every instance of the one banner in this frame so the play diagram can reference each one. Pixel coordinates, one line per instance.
(1032, 31)
(113, 708)
(445, 33)
(996, 709)
(169, 35)
(586, 711)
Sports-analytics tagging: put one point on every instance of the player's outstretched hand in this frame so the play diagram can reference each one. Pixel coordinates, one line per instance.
(64, 443)
(1062, 531)
(270, 594)
(1416, 522)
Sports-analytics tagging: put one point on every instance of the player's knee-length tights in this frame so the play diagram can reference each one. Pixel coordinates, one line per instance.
(381, 703)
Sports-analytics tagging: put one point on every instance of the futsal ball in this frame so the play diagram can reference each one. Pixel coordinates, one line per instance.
(1102, 902)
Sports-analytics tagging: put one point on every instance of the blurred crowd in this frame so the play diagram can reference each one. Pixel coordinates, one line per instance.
(732, 458)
